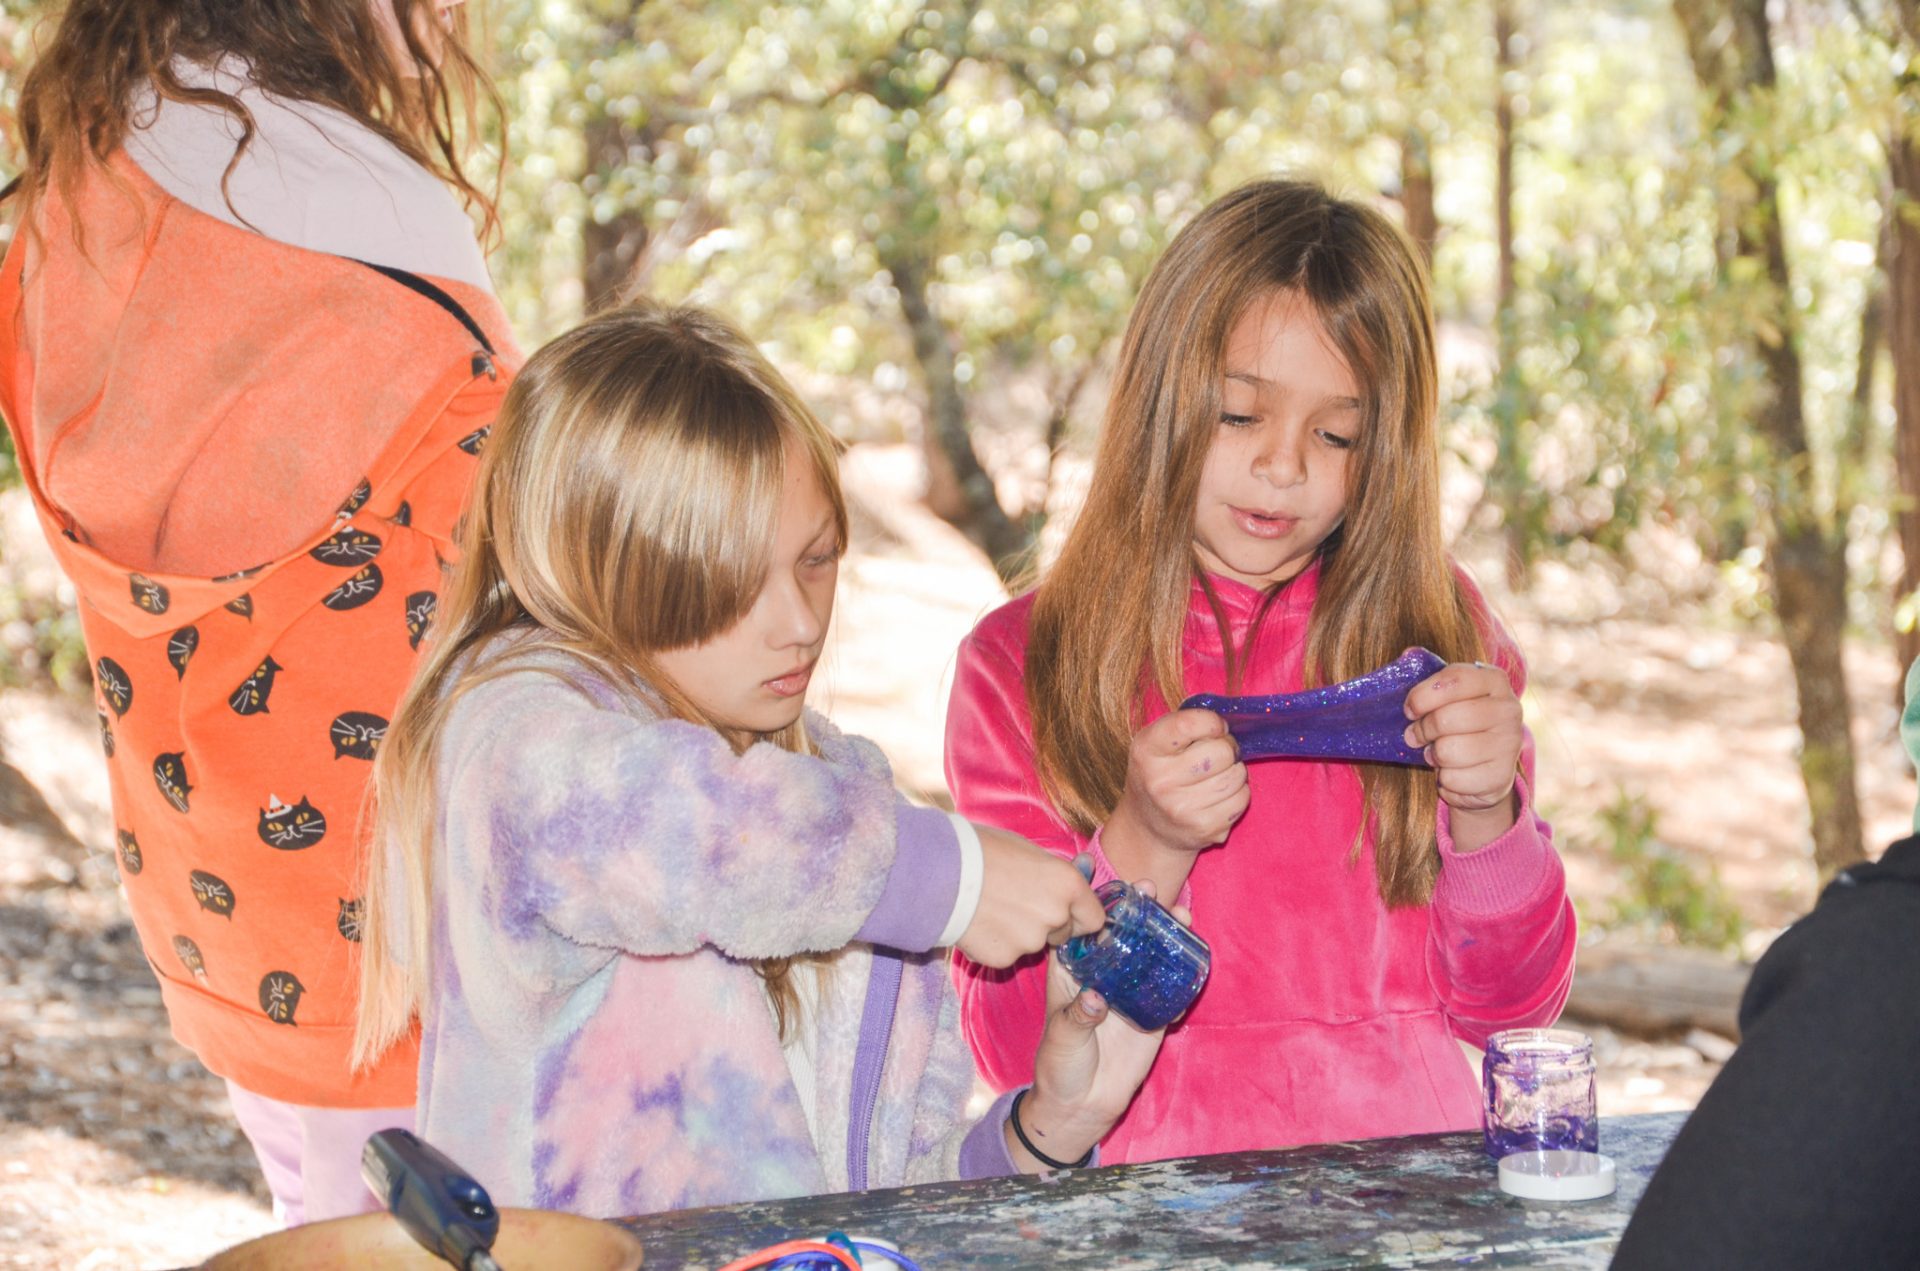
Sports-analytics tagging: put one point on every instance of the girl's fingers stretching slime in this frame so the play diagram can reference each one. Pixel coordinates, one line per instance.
(1471, 726)
(1185, 782)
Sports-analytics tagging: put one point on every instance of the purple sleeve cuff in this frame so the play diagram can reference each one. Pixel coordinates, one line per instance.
(984, 1152)
(1506, 875)
(922, 885)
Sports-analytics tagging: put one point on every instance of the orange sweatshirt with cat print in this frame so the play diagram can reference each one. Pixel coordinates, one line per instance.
(249, 458)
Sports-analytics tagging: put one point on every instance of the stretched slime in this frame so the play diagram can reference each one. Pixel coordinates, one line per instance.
(1357, 721)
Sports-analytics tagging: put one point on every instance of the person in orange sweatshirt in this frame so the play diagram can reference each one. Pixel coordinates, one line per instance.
(248, 352)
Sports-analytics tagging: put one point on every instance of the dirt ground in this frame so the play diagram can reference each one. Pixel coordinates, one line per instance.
(117, 1148)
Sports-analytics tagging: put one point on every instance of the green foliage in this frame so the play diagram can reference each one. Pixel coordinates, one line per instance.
(1035, 155)
(40, 641)
(1661, 889)
(9, 464)
(1031, 158)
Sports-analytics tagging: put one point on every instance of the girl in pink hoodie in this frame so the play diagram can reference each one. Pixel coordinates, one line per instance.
(1265, 517)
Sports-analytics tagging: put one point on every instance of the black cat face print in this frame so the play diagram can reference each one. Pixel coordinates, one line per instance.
(254, 691)
(148, 594)
(357, 735)
(354, 592)
(115, 685)
(420, 610)
(189, 954)
(355, 501)
(180, 649)
(351, 914)
(280, 996)
(170, 774)
(350, 548)
(291, 828)
(211, 893)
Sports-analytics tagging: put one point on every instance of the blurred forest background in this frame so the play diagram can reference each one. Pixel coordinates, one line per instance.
(1675, 247)
(1667, 241)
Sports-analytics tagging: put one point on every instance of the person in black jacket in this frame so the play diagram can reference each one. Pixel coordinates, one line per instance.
(1805, 1152)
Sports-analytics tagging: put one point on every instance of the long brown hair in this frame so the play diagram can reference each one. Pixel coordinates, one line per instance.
(626, 504)
(1386, 581)
(75, 102)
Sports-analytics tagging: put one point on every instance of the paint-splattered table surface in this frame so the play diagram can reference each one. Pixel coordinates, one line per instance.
(1407, 1202)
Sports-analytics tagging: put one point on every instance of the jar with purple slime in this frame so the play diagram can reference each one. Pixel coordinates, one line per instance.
(1146, 964)
(1539, 1087)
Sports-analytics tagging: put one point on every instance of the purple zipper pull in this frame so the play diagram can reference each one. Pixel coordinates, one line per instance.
(1360, 721)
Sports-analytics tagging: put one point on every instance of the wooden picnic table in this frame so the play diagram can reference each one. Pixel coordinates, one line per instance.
(1415, 1201)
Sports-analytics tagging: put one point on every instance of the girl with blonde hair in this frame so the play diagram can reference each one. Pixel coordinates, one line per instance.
(671, 937)
(248, 352)
(1264, 516)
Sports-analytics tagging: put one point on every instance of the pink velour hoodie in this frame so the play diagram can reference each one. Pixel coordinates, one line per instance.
(1328, 1016)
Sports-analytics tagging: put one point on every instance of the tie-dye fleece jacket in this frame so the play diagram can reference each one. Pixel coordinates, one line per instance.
(595, 1038)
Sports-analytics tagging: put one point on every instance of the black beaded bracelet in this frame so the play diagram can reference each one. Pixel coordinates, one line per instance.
(1013, 1118)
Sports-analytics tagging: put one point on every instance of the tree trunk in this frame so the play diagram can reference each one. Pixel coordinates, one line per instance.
(1730, 47)
(948, 442)
(1659, 990)
(1903, 342)
(609, 249)
(1416, 146)
(1503, 65)
(1416, 191)
(1510, 463)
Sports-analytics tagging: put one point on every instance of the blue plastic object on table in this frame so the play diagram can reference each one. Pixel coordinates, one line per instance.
(1357, 721)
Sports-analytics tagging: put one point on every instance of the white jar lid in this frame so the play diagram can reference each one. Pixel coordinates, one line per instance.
(1557, 1175)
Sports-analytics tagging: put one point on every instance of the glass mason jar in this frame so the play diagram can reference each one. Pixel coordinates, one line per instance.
(1145, 962)
(1539, 1088)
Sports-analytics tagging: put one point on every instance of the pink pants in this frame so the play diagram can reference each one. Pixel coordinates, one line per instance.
(311, 1156)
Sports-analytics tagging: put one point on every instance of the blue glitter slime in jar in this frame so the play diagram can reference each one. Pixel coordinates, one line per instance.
(1144, 962)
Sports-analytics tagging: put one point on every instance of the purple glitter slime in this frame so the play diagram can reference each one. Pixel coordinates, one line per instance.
(1361, 720)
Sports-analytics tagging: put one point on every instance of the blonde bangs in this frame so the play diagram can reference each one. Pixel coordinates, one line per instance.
(638, 515)
(691, 553)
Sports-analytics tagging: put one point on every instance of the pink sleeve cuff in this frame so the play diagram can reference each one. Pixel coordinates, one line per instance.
(1508, 874)
(1103, 871)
